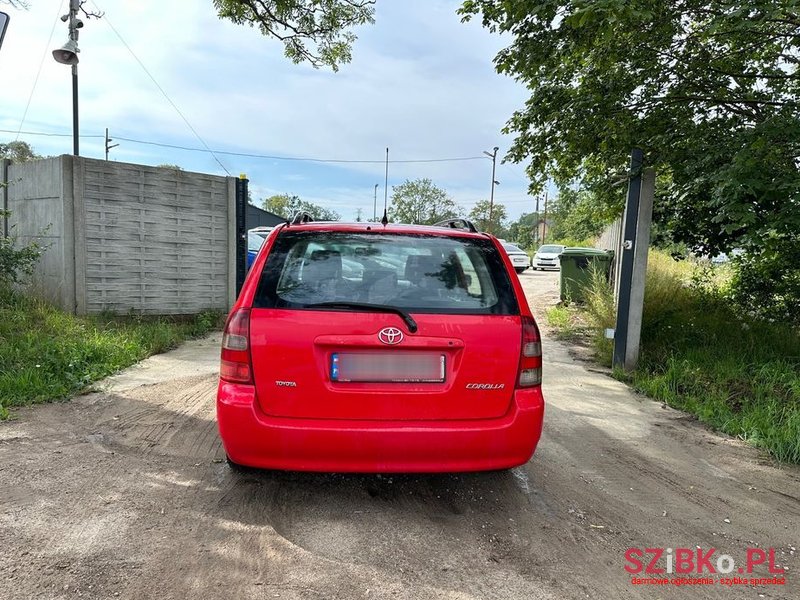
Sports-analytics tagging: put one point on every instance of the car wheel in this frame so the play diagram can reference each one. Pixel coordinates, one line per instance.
(520, 270)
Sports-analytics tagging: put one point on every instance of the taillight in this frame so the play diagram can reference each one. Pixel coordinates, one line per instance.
(235, 359)
(530, 356)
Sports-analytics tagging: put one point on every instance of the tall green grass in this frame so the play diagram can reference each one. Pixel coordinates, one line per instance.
(46, 354)
(699, 354)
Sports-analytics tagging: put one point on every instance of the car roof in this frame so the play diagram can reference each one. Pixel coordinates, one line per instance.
(396, 228)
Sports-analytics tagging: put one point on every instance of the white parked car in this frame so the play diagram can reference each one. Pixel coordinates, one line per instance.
(519, 258)
(547, 257)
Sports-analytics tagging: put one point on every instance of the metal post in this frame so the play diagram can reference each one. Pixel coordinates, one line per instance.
(386, 186)
(375, 204)
(75, 131)
(241, 231)
(538, 221)
(626, 264)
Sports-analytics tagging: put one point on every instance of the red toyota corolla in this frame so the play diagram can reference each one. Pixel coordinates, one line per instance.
(380, 348)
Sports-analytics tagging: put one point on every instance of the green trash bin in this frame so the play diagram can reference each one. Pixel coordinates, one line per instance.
(577, 265)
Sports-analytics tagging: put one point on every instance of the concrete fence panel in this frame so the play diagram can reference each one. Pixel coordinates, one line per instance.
(125, 237)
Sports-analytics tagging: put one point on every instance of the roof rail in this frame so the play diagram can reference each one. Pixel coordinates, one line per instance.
(301, 217)
(457, 224)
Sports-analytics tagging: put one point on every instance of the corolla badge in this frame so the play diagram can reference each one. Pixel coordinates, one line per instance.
(390, 335)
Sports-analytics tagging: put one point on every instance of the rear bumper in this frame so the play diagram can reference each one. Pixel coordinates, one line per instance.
(254, 439)
(537, 264)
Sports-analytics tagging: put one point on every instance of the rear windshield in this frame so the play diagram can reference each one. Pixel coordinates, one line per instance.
(512, 248)
(419, 273)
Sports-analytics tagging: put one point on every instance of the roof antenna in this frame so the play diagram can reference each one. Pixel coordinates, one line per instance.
(385, 219)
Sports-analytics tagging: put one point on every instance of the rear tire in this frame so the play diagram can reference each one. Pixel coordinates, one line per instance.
(520, 270)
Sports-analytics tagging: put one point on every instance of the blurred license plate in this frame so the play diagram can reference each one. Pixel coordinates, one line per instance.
(392, 367)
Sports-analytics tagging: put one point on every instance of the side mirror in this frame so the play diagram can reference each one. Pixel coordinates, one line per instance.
(4, 18)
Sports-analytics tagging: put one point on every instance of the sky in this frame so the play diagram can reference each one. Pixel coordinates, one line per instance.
(421, 83)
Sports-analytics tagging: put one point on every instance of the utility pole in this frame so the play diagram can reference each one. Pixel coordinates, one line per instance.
(544, 223)
(375, 204)
(109, 145)
(493, 156)
(538, 220)
(358, 215)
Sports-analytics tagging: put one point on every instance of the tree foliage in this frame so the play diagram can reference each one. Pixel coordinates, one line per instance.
(479, 215)
(288, 205)
(577, 214)
(421, 202)
(18, 151)
(523, 230)
(314, 31)
(707, 88)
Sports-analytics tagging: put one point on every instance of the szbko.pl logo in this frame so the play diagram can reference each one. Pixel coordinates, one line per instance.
(655, 563)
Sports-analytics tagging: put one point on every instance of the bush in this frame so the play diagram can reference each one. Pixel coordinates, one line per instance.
(767, 284)
(16, 262)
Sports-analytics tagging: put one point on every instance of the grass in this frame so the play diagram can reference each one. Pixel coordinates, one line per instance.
(46, 354)
(702, 355)
(565, 321)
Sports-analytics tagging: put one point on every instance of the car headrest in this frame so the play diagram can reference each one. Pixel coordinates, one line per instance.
(323, 264)
(419, 266)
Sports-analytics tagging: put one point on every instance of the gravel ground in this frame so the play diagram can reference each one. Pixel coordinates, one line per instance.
(124, 493)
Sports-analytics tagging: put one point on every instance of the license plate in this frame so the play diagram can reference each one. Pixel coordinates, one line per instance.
(388, 367)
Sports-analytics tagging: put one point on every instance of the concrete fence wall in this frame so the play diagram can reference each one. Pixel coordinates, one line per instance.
(125, 237)
(611, 239)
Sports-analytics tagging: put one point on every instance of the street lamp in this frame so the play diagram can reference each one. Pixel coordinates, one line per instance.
(68, 55)
(493, 156)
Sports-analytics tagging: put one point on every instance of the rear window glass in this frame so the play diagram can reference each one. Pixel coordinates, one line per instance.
(513, 248)
(419, 273)
(551, 249)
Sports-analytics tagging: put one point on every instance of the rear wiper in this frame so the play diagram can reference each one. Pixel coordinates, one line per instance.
(385, 308)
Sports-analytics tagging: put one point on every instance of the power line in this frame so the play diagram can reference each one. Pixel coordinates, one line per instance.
(160, 89)
(262, 156)
(39, 71)
(299, 158)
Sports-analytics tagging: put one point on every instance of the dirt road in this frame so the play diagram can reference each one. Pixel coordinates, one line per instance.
(124, 494)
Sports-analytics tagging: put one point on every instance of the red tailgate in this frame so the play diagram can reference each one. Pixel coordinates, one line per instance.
(293, 352)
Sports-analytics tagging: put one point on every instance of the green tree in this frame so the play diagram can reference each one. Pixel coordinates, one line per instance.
(577, 214)
(316, 31)
(421, 202)
(288, 205)
(523, 230)
(18, 151)
(479, 215)
(707, 88)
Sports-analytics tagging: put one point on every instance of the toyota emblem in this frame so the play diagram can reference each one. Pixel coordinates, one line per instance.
(390, 335)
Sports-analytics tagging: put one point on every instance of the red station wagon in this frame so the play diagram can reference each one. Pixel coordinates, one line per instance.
(380, 348)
